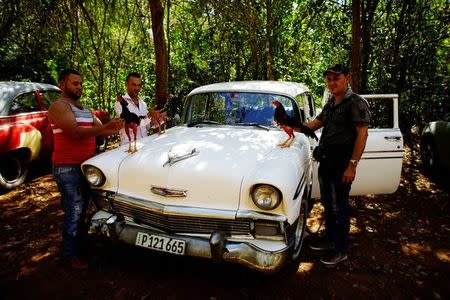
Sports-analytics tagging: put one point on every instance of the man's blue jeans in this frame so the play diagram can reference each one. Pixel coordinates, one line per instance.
(74, 190)
(335, 199)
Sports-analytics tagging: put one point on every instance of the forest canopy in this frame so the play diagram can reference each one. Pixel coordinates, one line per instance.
(404, 45)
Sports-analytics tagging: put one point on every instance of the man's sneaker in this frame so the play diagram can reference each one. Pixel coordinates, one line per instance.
(321, 245)
(334, 258)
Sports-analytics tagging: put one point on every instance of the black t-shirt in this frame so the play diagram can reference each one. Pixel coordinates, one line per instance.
(339, 130)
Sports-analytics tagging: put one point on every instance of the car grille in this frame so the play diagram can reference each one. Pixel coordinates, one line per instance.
(181, 224)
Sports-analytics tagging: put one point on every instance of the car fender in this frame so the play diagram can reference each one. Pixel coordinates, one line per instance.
(13, 137)
(291, 180)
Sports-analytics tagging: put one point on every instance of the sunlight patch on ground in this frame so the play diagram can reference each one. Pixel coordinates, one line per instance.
(373, 206)
(315, 222)
(40, 256)
(414, 249)
(443, 255)
(391, 215)
(305, 267)
(353, 227)
(423, 185)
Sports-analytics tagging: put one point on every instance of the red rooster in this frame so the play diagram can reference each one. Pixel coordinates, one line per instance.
(131, 121)
(287, 123)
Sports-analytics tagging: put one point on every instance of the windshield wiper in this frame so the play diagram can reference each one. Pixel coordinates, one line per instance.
(192, 124)
(255, 125)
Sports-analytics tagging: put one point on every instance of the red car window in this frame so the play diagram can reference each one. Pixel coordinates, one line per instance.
(24, 103)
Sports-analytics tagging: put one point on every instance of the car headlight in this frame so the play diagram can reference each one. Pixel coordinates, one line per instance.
(93, 175)
(266, 197)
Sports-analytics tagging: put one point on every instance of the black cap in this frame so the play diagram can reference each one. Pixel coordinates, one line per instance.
(337, 69)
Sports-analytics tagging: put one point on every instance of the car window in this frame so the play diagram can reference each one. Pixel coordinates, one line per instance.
(234, 108)
(49, 97)
(24, 103)
(381, 113)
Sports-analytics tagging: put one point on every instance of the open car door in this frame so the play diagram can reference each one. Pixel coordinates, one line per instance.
(380, 166)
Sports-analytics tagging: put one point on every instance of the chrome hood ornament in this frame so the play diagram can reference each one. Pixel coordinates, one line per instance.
(177, 154)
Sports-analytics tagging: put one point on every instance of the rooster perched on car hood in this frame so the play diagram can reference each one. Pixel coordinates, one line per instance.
(288, 123)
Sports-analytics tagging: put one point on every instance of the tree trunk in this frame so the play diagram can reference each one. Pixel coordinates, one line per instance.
(368, 10)
(356, 43)
(161, 66)
(397, 60)
(268, 42)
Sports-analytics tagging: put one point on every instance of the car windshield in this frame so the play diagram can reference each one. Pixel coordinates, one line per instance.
(233, 108)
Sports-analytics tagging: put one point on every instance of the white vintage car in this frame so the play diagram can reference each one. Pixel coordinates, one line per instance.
(218, 186)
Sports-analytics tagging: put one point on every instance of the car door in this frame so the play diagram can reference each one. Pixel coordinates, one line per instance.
(380, 166)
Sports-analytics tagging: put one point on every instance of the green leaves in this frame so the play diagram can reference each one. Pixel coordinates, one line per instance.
(211, 41)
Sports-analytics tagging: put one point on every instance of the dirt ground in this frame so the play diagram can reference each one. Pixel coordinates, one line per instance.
(400, 249)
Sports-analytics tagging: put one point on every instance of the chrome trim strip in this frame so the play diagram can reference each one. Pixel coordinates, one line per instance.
(385, 151)
(254, 215)
(299, 188)
(199, 212)
(166, 192)
(147, 205)
(386, 154)
(382, 157)
(172, 210)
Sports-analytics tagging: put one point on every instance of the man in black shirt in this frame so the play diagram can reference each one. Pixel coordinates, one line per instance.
(345, 121)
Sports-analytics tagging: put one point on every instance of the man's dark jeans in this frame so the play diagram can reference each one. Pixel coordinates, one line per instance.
(335, 199)
(74, 190)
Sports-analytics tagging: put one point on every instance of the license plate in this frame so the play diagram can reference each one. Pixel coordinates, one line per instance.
(160, 243)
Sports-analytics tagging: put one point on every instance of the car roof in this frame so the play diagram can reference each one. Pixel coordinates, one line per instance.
(18, 87)
(10, 89)
(287, 88)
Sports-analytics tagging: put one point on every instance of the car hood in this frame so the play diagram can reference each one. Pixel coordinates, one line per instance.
(208, 164)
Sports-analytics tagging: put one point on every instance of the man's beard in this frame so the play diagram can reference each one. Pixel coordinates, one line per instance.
(132, 95)
(73, 95)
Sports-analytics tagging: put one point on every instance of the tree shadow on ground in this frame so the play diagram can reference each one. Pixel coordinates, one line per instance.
(399, 249)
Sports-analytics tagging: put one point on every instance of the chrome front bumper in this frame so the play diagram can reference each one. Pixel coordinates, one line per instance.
(216, 248)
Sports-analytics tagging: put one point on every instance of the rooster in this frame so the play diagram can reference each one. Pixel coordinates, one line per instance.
(287, 123)
(131, 121)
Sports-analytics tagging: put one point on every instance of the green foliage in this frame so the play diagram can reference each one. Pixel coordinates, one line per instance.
(212, 41)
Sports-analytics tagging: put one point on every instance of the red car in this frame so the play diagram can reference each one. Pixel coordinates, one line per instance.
(25, 134)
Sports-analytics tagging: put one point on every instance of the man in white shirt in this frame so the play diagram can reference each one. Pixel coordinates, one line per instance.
(136, 105)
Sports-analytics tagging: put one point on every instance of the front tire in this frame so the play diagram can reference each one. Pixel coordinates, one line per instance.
(299, 235)
(13, 171)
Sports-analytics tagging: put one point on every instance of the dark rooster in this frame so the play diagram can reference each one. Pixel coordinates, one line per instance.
(287, 123)
(131, 121)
